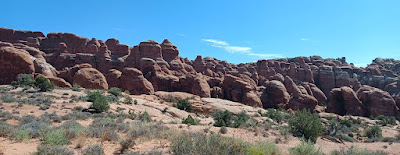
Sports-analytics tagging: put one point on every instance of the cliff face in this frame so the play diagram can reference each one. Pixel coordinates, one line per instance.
(300, 82)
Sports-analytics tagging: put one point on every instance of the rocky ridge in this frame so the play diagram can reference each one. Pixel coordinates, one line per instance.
(295, 83)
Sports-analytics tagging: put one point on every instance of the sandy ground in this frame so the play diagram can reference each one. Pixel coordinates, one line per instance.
(171, 118)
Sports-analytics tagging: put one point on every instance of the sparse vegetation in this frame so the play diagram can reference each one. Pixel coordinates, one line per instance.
(126, 144)
(93, 150)
(197, 143)
(306, 148)
(53, 150)
(307, 125)
(357, 151)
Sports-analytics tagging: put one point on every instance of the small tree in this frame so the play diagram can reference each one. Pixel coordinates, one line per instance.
(115, 91)
(183, 104)
(306, 124)
(100, 103)
(191, 120)
(43, 84)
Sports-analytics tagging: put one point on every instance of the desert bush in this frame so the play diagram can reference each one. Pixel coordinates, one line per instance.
(5, 129)
(346, 122)
(152, 152)
(21, 135)
(385, 120)
(240, 119)
(305, 148)
(56, 137)
(373, 132)
(356, 151)
(264, 147)
(197, 143)
(307, 125)
(35, 129)
(223, 118)
(43, 84)
(191, 120)
(183, 104)
(115, 91)
(75, 87)
(100, 103)
(128, 100)
(147, 130)
(104, 128)
(145, 117)
(276, 115)
(52, 150)
(93, 150)
(126, 144)
(23, 80)
(72, 129)
(8, 98)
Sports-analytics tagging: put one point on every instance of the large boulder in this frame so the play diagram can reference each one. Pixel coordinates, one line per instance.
(85, 76)
(90, 78)
(113, 78)
(59, 82)
(378, 102)
(241, 89)
(195, 84)
(133, 80)
(13, 62)
(303, 101)
(275, 95)
(344, 101)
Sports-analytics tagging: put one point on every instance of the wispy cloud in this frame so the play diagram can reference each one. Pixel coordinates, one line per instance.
(308, 39)
(238, 49)
(180, 34)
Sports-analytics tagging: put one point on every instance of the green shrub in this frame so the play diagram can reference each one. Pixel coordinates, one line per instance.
(115, 91)
(307, 125)
(22, 135)
(276, 115)
(126, 144)
(373, 132)
(264, 147)
(100, 103)
(93, 150)
(56, 137)
(135, 102)
(222, 118)
(5, 129)
(8, 98)
(128, 100)
(356, 151)
(25, 80)
(75, 87)
(52, 150)
(240, 119)
(191, 120)
(385, 120)
(43, 84)
(347, 123)
(197, 143)
(305, 148)
(183, 104)
(144, 117)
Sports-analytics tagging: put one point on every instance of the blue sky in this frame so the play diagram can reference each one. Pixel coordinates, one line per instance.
(236, 31)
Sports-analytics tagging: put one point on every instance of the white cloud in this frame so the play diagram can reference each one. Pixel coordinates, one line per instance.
(239, 49)
(304, 39)
(180, 34)
(216, 42)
